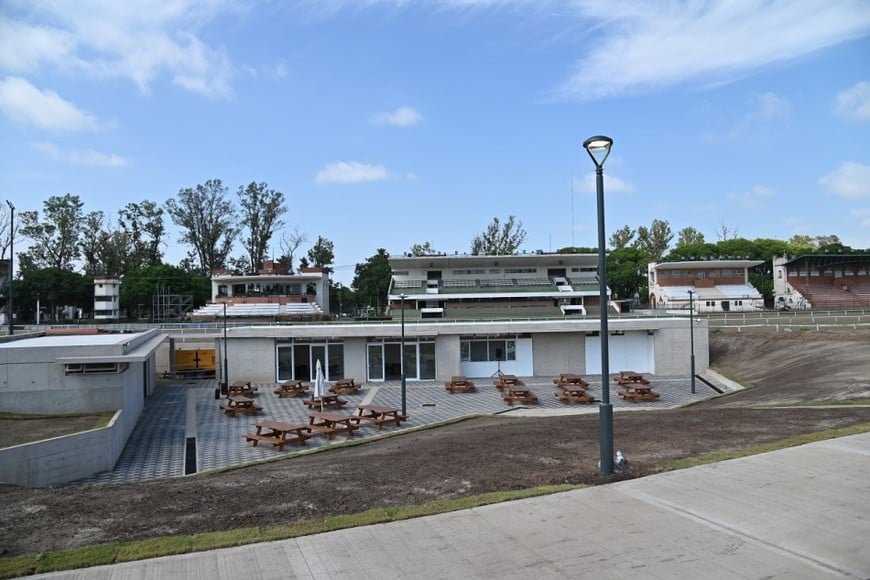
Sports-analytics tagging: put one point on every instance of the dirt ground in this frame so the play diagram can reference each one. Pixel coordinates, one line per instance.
(470, 457)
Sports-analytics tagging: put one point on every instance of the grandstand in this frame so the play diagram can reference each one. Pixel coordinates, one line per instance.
(821, 281)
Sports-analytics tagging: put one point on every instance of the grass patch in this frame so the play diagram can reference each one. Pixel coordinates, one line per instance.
(733, 377)
(104, 420)
(20, 417)
(115, 552)
(763, 448)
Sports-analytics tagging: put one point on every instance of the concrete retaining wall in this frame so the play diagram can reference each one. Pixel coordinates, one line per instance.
(67, 458)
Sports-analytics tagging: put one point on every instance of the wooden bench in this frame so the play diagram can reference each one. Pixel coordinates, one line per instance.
(460, 385)
(331, 423)
(520, 394)
(635, 394)
(240, 404)
(574, 394)
(378, 415)
(295, 388)
(333, 401)
(344, 387)
(280, 434)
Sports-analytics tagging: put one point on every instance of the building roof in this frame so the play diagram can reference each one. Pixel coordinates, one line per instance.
(705, 264)
(719, 292)
(468, 260)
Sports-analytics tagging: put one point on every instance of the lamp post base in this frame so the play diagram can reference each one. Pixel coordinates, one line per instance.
(605, 434)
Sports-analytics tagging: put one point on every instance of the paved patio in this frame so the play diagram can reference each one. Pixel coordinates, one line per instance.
(181, 412)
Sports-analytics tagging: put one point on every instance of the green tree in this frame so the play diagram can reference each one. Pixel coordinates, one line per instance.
(342, 300)
(56, 236)
(424, 249)
(626, 273)
(577, 250)
(143, 225)
(140, 286)
(655, 239)
(690, 252)
(621, 238)
(206, 219)
(53, 288)
(262, 209)
(371, 280)
(322, 254)
(689, 236)
(499, 239)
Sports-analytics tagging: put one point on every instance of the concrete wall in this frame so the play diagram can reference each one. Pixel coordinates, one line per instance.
(672, 348)
(67, 458)
(251, 359)
(446, 356)
(563, 352)
(355, 358)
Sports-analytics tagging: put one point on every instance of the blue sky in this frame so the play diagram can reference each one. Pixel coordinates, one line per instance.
(393, 122)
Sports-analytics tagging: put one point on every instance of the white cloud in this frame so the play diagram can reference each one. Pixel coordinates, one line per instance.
(642, 46)
(86, 157)
(754, 198)
(21, 101)
(351, 172)
(769, 106)
(850, 180)
(135, 39)
(863, 217)
(401, 117)
(854, 102)
(612, 184)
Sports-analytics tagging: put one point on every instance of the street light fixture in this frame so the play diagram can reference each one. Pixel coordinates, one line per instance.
(11, 256)
(692, 336)
(402, 358)
(598, 148)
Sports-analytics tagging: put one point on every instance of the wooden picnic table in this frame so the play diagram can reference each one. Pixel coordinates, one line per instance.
(328, 400)
(570, 379)
(240, 404)
(344, 387)
(292, 388)
(506, 381)
(631, 378)
(519, 392)
(330, 423)
(241, 388)
(459, 384)
(279, 434)
(638, 392)
(574, 394)
(379, 415)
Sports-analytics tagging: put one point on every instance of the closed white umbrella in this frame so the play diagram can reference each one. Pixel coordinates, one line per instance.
(319, 383)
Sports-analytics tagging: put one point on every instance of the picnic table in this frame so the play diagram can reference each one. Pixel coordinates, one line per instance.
(570, 379)
(279, 434)
(459, 384)
(328, 400)
(344, 387)
(240, 404)
(631, 378)
(292, 388)
(241, 388)
(638, 392)
(330, 423)
(574, 394)
(519, 392)
(379, 415)
(506, 381)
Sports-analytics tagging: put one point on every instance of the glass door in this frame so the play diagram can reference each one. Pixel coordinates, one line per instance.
(376, 362)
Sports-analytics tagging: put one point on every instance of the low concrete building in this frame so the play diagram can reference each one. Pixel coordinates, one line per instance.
(717, 286)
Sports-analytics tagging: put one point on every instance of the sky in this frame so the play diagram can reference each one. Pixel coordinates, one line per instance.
(389, 123)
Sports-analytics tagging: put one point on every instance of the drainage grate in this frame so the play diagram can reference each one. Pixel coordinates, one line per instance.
(428, 405)
(190, 456)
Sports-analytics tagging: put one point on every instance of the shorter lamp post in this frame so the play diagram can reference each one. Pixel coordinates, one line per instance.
(402, 358)
(11, 255)
(692, 336)
(226, 382)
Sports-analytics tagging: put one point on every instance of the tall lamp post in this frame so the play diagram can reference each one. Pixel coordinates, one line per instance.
(598, 148)
(225, 383)
(11, 256)
(402, 358)
(692, 336)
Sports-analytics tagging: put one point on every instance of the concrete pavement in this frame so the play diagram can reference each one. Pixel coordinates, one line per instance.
(802, 512)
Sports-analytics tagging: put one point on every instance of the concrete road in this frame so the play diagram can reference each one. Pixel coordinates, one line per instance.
(802, 512)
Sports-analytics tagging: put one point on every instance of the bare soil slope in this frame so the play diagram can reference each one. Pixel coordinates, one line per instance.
(471, 457)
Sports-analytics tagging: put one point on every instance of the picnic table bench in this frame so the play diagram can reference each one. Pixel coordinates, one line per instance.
(325, 401)
(631, 378)
(506, 381)
(240, 404)
(638, 392)
(570, 379)
(344, 387)
(279, 434)
(519, 392)
(292, 388)
(459, 384)
(330, 423)
(574, 394)
(379, 415)
(241, 388)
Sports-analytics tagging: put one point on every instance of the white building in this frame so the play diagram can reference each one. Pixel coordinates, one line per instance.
(107, 298)
(717, 286)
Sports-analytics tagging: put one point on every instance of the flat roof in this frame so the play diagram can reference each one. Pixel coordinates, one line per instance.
(105, 339)
(704, 264)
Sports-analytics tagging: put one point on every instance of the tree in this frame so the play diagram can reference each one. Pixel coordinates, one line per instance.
(688, 236)
(141, 285)
(143, 225)
(262, 209)
(289, 244)
(321, 255)
(691, 252)
(655, 240)
(424, 249)
(206, 218)
(56, 237)
(499, 239)
(7, 236)
(621, 238)
(626, 272)
(577, 250)
(53, 288)
(724, 233)
(371, 280)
